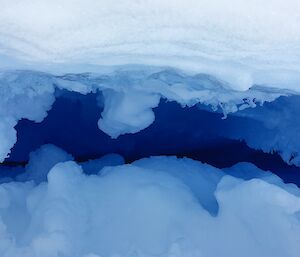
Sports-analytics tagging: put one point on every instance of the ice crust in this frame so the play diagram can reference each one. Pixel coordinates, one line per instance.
(158, 206)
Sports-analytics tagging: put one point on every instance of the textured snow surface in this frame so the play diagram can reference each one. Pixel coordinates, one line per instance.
(243, 43)
(158, 206)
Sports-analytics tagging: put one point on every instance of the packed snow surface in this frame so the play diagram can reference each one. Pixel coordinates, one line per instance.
(242, 42)
(158, 206)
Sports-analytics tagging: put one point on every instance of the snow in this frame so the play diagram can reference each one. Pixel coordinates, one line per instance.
(128, 111)
(239, 58)
(22, 96)
(243, 43)
(8, 136)
(203, 185)
(161, 206)
(96, 165)
(41, 161)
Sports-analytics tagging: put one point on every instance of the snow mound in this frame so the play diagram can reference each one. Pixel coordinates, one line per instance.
(161, 206)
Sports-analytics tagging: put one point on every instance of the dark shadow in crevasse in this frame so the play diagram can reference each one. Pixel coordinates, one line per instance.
(191, 132)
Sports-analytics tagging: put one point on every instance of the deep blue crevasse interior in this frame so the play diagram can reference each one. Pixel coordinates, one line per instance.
(193, 132)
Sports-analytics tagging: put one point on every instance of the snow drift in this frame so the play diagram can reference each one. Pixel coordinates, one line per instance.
(159, 206)
(242, 43)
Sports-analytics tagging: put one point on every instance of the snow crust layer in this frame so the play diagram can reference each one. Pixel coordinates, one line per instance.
(159, 206)
(243, 43)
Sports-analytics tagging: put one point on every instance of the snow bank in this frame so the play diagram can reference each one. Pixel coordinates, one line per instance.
(243, 43)
(159, 206)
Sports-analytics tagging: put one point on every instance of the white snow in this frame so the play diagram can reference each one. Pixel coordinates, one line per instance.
(154, 207)
(41, 161)
(22, 96)
(242, 43)
(128, 111)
